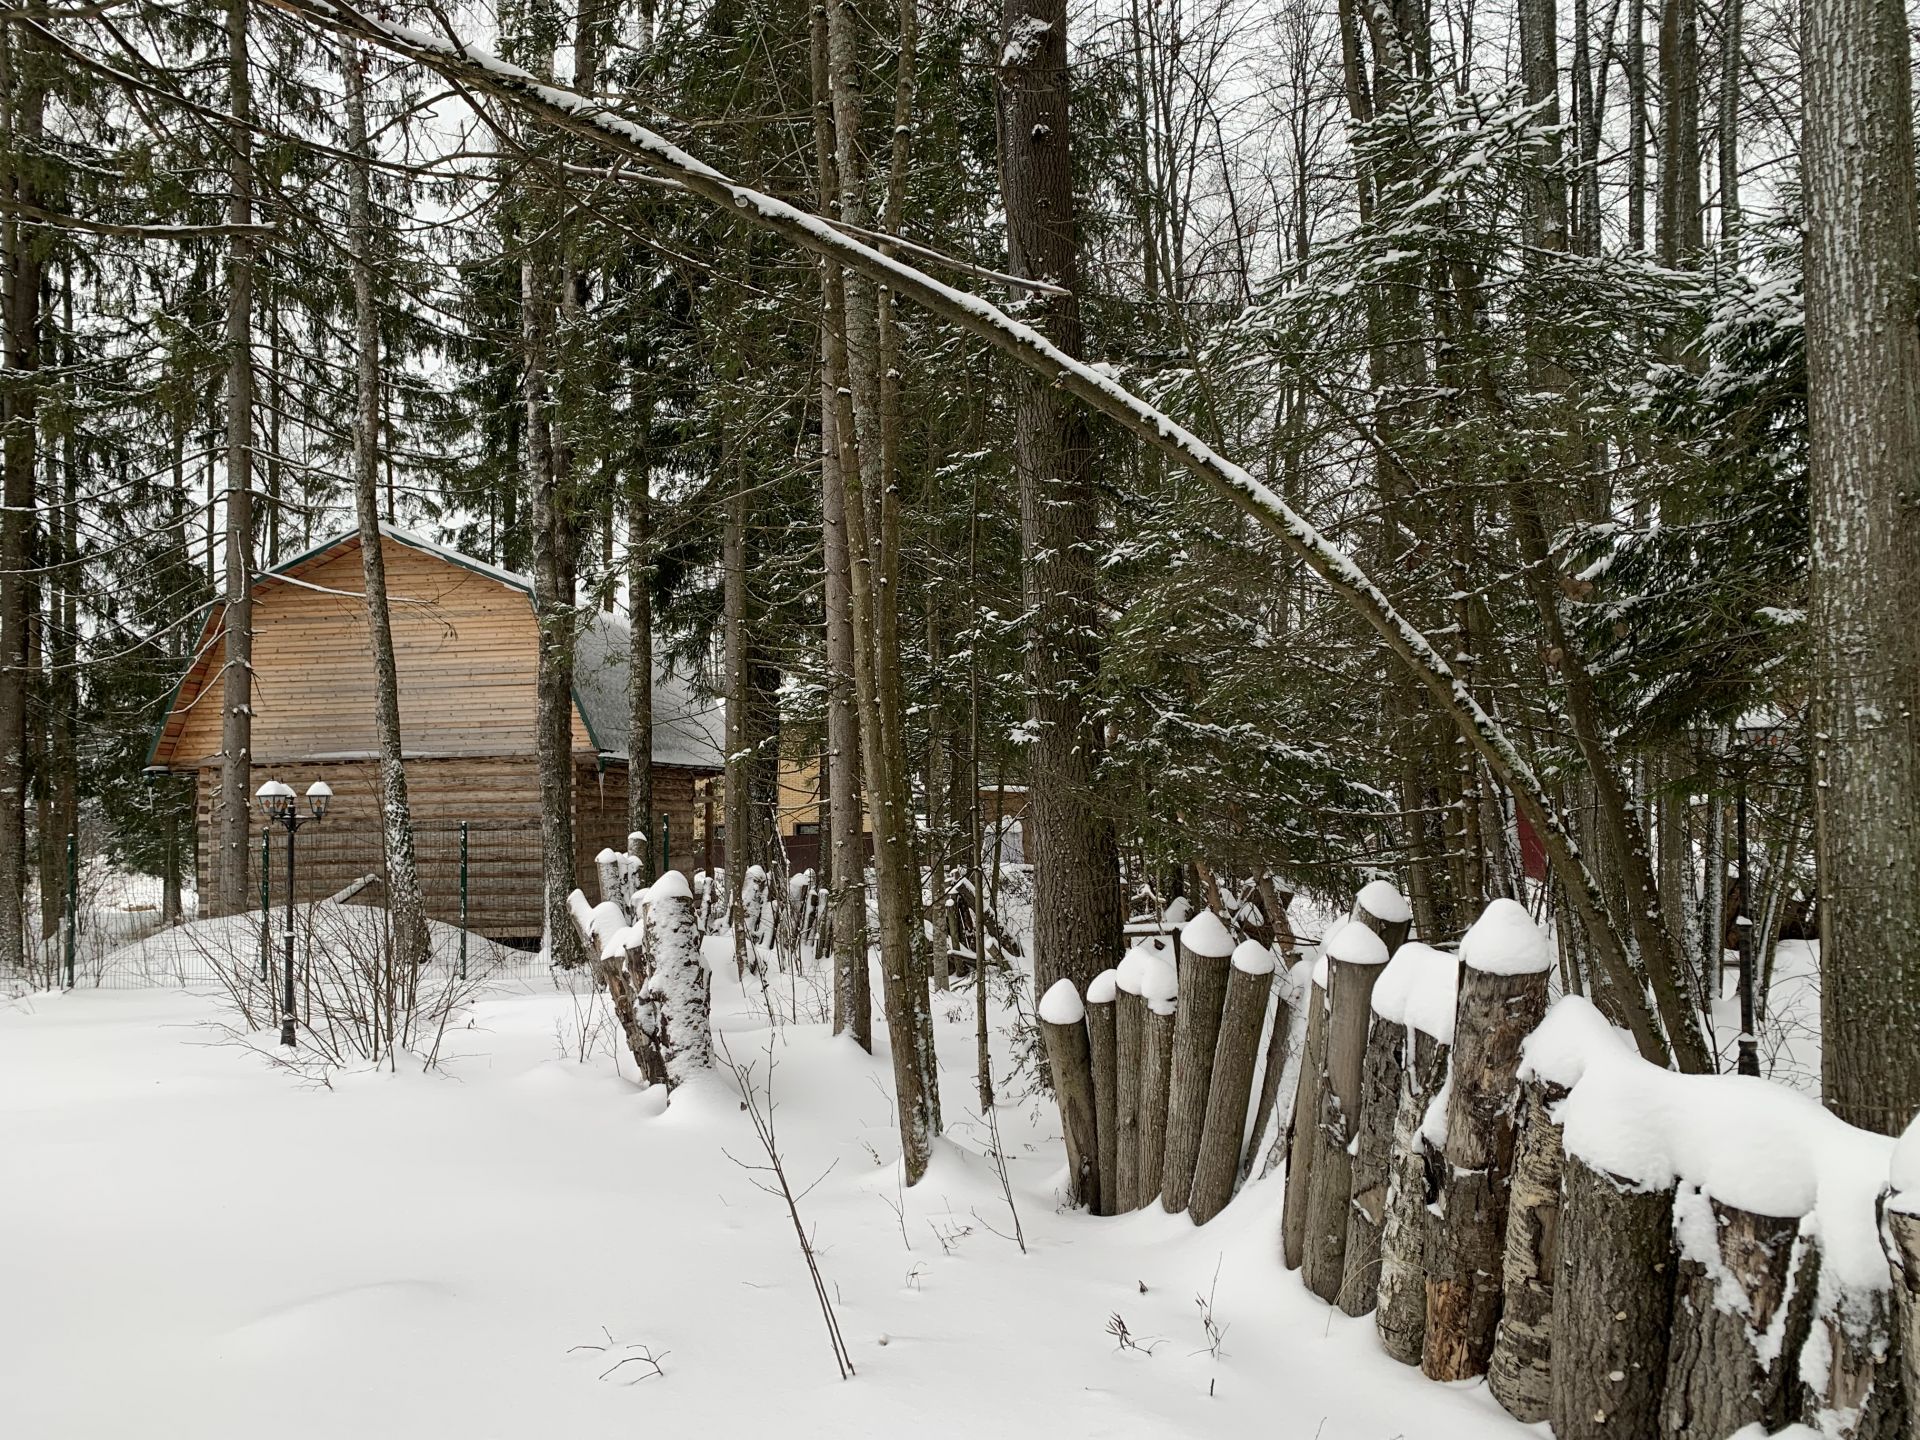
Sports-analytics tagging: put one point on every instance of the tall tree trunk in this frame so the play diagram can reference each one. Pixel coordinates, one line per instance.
(640, 817)
(234, 816)
(1731, 217)
(410, 946)
(1679, 133)
(846, 838)
(871, 548)
(1863, 404)
(1077, 899)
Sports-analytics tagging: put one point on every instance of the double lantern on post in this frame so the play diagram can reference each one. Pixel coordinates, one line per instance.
(277, 803)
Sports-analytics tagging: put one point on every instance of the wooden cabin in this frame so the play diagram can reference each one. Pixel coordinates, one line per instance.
(465, 647)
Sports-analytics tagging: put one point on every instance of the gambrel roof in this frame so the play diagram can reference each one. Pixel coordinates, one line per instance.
(688, 729)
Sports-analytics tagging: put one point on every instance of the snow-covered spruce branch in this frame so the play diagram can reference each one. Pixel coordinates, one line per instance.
(485, 73)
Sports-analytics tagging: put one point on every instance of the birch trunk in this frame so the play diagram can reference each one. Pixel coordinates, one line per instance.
(410, 945)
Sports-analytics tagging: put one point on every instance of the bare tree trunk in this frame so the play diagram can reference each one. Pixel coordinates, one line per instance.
(234, 813)
(410, 946)
(1863, 409)
(1077, 900)
(1680, 236)
(22, 107)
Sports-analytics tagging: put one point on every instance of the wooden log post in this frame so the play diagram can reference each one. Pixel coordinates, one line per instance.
(1355, 957)
(1385, 911)
(1520, 1374)
(1408, 977)
(1205, 947)
(1413, 1171)
(1612, 1306)
(1063, 1031)
(1900, 1233)
(1234, 1056)
(1129, 1057)
(1505, 962)
(1160, 988)
(1857, 1395)
(1273, 1067)
(1727, 1366)
(678, 985)
(1306, 1092)
(1101, 1041)
(612, 881)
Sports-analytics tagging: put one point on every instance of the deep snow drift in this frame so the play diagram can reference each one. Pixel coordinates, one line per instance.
(198, 1243)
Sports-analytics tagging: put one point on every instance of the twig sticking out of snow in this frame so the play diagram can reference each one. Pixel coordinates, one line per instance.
(759, 1107)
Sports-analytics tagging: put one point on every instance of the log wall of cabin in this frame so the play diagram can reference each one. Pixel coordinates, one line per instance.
(498, 797)
(464, 646)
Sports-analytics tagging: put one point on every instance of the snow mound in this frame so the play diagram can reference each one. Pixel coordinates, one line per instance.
(1749, 1143)
(671, 883)
(1205, 935)
(1253, 958)
(1133, 967)
(1418, 989)
(1505, 941)
(1061, 1004)
(1357, 945)
(1100, 989)
(1160, 984)
(1381, 900)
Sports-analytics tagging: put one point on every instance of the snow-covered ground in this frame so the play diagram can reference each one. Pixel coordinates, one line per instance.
(195, 1242)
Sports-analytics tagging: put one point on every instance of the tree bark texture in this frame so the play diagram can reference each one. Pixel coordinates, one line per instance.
(1612, 1307)
(1900, 1233)
(1724, 1370)
(1230, 1092)
(1130, 1053)
(1156, 1071)
(1273, 1068)
(1863, 424)
(1413, 1181)
(1203, 991)
(1330, 1189)
(1077, 899)
(1300, 1146)
(1380, 1079)
(1103, 1043)
(1070, 1059)
(24, 102)
(1520, 1374)
(1495, 1013)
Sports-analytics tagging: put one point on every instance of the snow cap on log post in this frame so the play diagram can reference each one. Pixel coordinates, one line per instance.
(1102, 992)
(1230, 1092)
(1413, 968)
(1505, 962)
(1205, 946)
(1306, 1093)
(1385, 911)
(1160, 989)
(1355, 958)
(1130, 1051)
(1063, 1030)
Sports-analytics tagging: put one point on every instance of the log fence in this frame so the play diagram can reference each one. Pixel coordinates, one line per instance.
(1623, 1252)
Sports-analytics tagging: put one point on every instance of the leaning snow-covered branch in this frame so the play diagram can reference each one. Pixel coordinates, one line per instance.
(576, 114)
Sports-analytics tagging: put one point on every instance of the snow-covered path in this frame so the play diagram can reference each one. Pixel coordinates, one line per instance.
(194, 1243)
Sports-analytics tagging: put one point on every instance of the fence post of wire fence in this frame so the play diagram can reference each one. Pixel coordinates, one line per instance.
(73, 900)
(463, 899)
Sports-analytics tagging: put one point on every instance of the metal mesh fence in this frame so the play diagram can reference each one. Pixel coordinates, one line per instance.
(481, 883)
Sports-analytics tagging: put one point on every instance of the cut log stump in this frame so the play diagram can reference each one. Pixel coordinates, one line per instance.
(1241, 1017)
(1520, 1374)
(1205, 947)
(1101, 1039)
(1063, 1031)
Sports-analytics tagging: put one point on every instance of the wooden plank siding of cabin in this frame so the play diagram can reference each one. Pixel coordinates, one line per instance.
(464, 645)
(466, 651)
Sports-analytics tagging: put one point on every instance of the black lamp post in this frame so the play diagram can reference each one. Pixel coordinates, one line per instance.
(1764, 732)
(277, 804)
